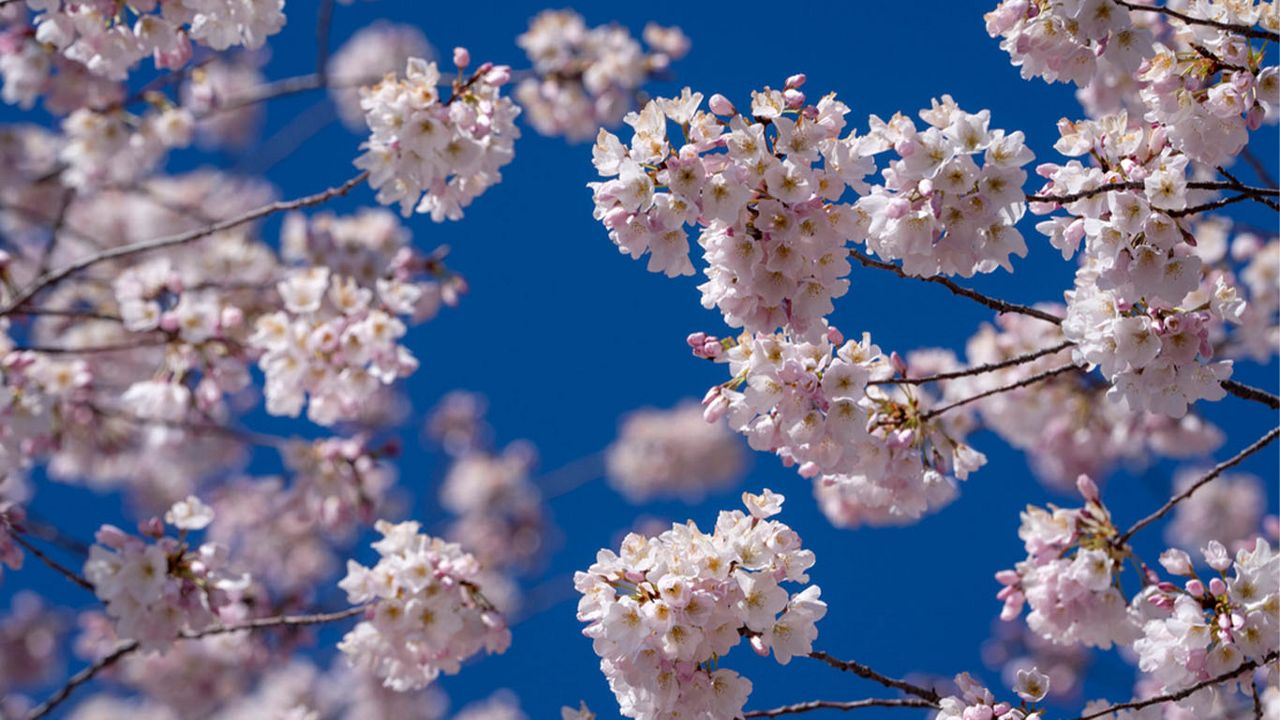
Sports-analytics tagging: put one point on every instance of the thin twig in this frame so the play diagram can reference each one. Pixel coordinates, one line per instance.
(812, 705)
(1135, 185)
(1215, 472)
(1257, 700)
(1215, 205)
(996, 304)
(127, 648)
(865, 672)
(571, 476)
(1002, 389)
(979, 369)
(55, 276)
(1259, 168)
(61, 569)
(1245, 30)
(59, 220)
(1188, 692)
(324, 18)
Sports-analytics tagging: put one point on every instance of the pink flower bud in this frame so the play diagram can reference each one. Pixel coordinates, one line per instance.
(712, 348)
(151, 527)
(1195, 588)
(1088, 489)
(720, 105)
(793, 98)
(795, 81)
(757, 644)
(696, 339)
(1176, 562)
(499, 75)
(461, 57)
(1217, 587)
(834, 336)
(111, 536)
(897, 208)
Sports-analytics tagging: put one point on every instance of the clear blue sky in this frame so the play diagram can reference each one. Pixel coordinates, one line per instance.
(542, 270)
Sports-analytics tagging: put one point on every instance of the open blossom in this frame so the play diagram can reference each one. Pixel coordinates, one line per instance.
(587, 78)
(1210, 628)
(659, 611)
(875, 453)
(154, 591)
(939, 211)
(371, 53)
(437, 154)
(1068, 576)
(673, 452)
(426, 612)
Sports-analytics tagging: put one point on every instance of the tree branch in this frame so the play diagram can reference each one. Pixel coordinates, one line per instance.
(1002, 389)
(58, 567)
(863, 671)
(811, 705)
(1245, 30)
(129, 647)
(53, 277)
(996, 304)
(1215, 472)
(1249, 392)
(979, 369)
(1188, 692)
(1220, 185)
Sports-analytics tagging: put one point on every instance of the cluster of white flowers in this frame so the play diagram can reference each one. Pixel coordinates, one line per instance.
(154, 591)
(673, 452)
(1073, 597)
(875, 454)
(587, 78)
(371, 53)
(427, 613)
(939, 212)
(1064, 423)
(114, 149)
(1127, 313)
(772, 229)
(97, 36)
(1064, 41)
(437, 154)
(1209, 628)
(664, 609)
(498, 509)
(338, 336)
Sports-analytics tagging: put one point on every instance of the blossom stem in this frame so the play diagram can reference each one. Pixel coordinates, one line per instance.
(812, 705)
(863, 671)
(53, 277)
(1002, 389)
(996, 304)
(979, 369)
(1245, 30)
(1208, 477)
(129, 647)
(1186, 692)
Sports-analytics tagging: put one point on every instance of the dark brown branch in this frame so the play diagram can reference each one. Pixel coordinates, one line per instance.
(127, 648)
(1245, 30)
(1219, 185)
(1249, 392)
(55, 276)
(1215, 472)
(812, 705)
(1002, 389)
(863, 671)
(1000, 306)
(979, 369)
(1188, 692)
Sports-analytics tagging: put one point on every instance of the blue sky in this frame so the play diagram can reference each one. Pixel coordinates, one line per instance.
(542, 272)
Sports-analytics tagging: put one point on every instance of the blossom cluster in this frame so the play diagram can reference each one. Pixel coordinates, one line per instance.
(875, 452)
(155, 591)
(98, 41)
(939, 211)
(662, 609)
(426, 613)
(1209, 627)
(587, 78)
(976, 701)
(1127, 313)
(338, 337)
(1070, 576)
(437, 154)
(673, 452)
